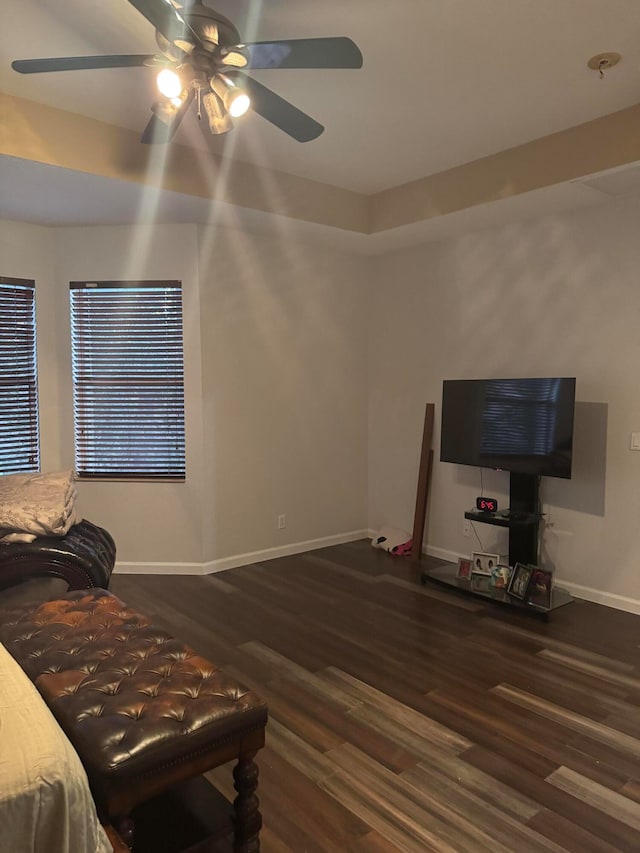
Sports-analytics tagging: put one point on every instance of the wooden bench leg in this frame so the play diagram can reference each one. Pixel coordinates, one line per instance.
(247, 819)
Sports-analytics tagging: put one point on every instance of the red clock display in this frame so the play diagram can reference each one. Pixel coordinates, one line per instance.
(487, 504)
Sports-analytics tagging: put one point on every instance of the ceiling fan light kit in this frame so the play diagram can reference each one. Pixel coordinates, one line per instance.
(201, 57)
(219, 118)
(169, 83)
(235, 99)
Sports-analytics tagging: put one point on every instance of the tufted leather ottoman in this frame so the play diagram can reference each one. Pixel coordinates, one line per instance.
(143, 710)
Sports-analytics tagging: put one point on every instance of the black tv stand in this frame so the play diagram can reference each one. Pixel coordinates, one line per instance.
(446, 577)
(522, 519)
(523, 532)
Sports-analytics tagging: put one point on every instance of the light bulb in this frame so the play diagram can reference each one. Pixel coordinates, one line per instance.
(169, 83)
(235, 99)
(239, 104)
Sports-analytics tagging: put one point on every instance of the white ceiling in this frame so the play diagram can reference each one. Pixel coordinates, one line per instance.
(444, 82)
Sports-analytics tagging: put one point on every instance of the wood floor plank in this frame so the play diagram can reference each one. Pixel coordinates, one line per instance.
(616, 805)
(460, 812)
(428, 840)
(627, 721)
(289, 713)
(289, 668)
(517, 733)
(485, 714)
(585, 643)
(521, 727)
(602, 763)
(556, 671)
(606, 670)
(490, 809)
(440, 771)
(405, 718)
(299, 753)
(594, 821)
(217, 582)
(577, 722)
(632, 790)
(568, 835)
(373, 842)
(386, 749)
(395, 711)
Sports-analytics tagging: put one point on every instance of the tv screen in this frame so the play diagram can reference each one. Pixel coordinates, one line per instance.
(519, 425)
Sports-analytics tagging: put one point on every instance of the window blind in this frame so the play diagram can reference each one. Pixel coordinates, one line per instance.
(128, 379)
(19, 432)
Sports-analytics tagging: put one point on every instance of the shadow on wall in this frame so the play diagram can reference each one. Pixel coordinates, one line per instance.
(585, 491)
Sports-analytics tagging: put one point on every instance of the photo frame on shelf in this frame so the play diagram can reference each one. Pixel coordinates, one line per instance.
(520, 581)
(540, 587)
(464, 568)
(482, 563)
(480, 582)
(500, 576)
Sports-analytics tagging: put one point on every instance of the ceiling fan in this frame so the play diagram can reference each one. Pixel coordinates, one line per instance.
(201, 60)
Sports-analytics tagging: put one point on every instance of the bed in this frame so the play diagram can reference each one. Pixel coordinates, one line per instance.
(45, 802)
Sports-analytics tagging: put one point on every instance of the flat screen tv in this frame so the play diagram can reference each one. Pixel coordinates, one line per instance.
(523, 426)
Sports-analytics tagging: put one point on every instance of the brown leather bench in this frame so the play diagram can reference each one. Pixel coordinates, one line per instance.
(84, 558)
(143, 711)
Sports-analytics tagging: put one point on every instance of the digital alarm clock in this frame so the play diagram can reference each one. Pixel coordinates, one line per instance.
(487, 504)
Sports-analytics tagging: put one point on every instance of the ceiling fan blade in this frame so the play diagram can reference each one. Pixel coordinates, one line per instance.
(338, 52)
(165, 121)
(78, 63)
(166, 19)
(278, 111)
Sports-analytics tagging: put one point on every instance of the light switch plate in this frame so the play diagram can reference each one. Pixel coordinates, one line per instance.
(635, 441)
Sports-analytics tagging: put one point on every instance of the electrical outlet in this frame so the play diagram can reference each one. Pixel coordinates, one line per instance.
(466, 527)
(282, 521)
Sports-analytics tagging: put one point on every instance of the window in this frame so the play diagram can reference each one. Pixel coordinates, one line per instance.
(128, 379)
(19, 433)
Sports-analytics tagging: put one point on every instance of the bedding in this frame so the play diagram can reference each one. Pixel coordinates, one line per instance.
(45, 802)
(37, 504)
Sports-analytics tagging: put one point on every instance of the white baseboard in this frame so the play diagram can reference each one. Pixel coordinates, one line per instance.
(429, 550)
(282, 551)
(234, 562)
(598, 596)
(608, 599)
(441, 553)
(587, 593)
(159, 568)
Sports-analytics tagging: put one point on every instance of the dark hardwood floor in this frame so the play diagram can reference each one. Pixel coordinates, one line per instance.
(406, 718)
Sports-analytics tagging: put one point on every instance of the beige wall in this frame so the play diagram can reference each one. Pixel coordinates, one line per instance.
(151, 522)
(27, 251)
(285, 390)
(275, 381)
(555, 296)
(287, 345)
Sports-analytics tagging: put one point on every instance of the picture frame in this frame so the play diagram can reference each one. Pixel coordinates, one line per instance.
(482, 563)
(540, 587)
(520, 581)
(464, 568)
(500, 576)
(480, 582)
